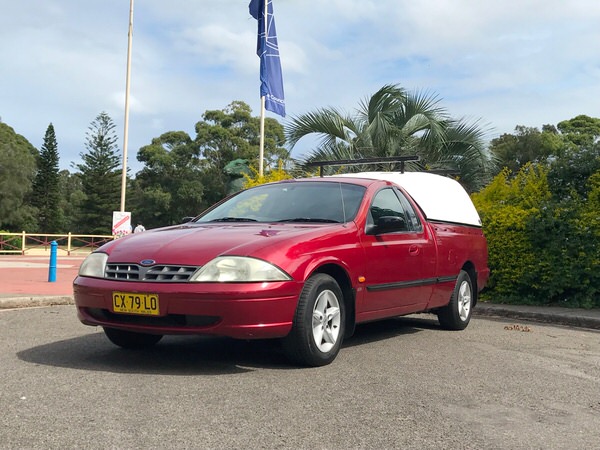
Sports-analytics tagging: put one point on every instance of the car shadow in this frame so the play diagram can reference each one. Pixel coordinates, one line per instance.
(173, 355)
(196, 355)
(380, 330)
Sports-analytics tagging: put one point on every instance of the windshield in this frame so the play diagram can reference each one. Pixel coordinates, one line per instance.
(319, 202)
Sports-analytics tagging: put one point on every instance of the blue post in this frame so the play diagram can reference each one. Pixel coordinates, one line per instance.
(52, 268)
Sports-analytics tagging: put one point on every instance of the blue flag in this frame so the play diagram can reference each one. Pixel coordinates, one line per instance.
(271, 80)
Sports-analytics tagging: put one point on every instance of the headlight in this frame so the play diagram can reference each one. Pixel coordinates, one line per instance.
(238, 269)
(93, 265)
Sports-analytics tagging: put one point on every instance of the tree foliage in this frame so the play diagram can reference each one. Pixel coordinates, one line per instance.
(171, 185)
(270, 176)
(17, 170)
(506, 206)
(233, 133)
(46, 186)
(72, 197)
(570, 138)
(527, 145)
(183, 176)
(582, 130)
(569, 175)
(100, 177)
(543, 248)
(394, 122)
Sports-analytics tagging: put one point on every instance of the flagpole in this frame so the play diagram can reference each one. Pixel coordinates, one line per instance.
(127, 85)
(261, 147)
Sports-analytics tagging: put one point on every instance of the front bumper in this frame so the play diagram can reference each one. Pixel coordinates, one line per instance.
(237, 310)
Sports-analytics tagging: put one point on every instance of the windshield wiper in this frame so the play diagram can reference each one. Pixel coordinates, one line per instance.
(309, 219)
(233, 219)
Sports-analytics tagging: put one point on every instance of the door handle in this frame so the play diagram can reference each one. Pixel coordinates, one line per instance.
(414, 250)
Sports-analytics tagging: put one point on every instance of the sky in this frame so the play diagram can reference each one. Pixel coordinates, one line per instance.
(498, 63)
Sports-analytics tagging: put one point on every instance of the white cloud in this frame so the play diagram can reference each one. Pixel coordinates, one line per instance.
(220, 46)
(526, 62)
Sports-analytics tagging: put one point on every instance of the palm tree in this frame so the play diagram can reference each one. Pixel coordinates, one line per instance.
(394, 122)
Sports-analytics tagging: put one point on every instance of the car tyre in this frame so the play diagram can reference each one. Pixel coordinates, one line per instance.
(457, 314)
(319, 322)
(131, 340)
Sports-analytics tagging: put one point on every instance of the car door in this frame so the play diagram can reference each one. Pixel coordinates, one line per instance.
(400, 262)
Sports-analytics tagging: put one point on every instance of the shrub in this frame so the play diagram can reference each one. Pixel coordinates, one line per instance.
(270, 176)
(542, 250)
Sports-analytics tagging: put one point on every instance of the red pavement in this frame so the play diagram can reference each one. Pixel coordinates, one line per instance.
(28, 275)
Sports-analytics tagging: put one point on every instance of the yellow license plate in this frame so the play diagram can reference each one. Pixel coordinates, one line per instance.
(135, 303)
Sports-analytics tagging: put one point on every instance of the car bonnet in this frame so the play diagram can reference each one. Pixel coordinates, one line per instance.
(196, 244)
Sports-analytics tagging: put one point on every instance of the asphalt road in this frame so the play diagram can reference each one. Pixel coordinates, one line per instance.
(403, 383)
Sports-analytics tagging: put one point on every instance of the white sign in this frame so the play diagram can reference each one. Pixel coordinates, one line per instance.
(121, 224)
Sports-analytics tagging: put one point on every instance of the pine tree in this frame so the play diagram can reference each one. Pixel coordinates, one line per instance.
(46, 186)
(100, 177)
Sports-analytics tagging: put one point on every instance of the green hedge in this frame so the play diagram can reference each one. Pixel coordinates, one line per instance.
(542, 251)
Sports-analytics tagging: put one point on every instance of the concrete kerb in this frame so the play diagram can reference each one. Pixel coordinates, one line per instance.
(33, 301)
(579, 318)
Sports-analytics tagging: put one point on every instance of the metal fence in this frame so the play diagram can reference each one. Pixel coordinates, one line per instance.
(39, 244)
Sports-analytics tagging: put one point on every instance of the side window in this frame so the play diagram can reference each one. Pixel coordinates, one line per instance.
(414, 223)
(385, 204)
(392, 202)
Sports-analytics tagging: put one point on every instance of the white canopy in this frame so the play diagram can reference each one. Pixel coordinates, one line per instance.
(441, 198)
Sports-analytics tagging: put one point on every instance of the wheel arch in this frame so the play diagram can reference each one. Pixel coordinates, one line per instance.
(469, 267)
(343, 280)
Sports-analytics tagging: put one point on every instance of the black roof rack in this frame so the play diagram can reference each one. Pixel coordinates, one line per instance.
(355, 162)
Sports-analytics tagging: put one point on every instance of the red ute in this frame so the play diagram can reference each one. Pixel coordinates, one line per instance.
(302, 260)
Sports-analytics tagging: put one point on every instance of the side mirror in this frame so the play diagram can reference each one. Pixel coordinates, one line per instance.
(389, 224)
(187, 219)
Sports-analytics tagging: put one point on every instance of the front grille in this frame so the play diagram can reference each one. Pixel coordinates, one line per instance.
(160, 273)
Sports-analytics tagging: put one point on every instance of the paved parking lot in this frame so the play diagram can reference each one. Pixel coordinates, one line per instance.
(402, 383)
